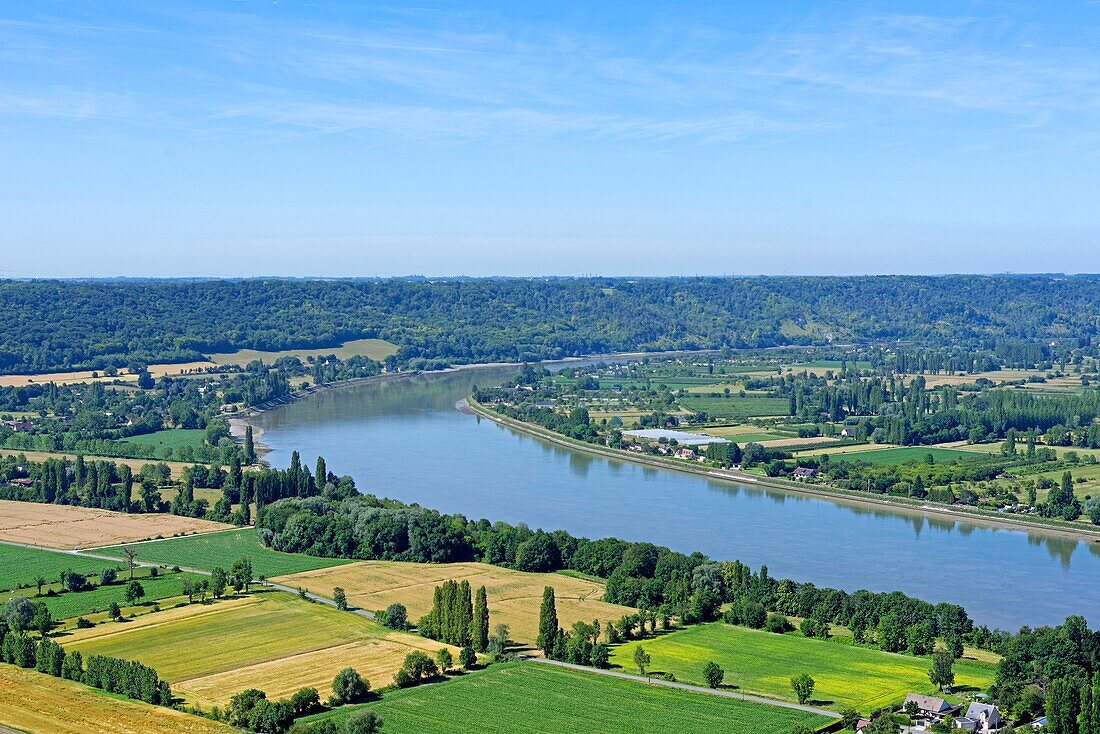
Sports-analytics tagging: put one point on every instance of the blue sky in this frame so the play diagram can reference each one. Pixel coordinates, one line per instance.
(323, 138)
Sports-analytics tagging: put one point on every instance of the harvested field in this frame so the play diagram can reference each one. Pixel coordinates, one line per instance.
(41, 704)
(269, 640)
(65, 526)
(377, 349)
(791, 443)
(514, 596)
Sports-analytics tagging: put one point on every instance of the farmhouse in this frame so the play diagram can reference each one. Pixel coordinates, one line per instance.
(19, 426)
(930, 708)
(803, 473)
(982, 718)
(685, 453)
(849, 431)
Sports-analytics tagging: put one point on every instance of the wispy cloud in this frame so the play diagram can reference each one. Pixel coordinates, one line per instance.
(449, 75)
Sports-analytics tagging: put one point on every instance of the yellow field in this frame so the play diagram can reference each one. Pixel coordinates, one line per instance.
(270, 640)
(135, 465)
(996, 376)
(41, 704)
(68, 527)
(514, 596)
(377, 349)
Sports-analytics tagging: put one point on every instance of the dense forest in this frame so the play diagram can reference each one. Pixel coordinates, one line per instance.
(55, 325)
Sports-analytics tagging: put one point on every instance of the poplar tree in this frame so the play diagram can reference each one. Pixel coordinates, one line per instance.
(249, 446)
(548, 621)
(481, 621)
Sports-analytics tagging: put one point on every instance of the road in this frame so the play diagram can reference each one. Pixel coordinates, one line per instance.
(694, 689)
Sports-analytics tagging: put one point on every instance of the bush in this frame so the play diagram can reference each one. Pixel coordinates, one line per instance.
(777, 623)
(363, 721)
(107, 576)
(83, 624)
(305, 701)
(417, 668)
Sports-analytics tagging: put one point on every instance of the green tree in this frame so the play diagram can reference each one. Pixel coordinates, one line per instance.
(713, 674)
(803, 687)
(249, 446)
(481, 621)
(444, 658)
(467, 658)
(942, 673)
(348, 687)
(1062, 706)
(241, 574)
(641, 659)
(548, 621)
(134, 592)
(340, 599)
(218, 581)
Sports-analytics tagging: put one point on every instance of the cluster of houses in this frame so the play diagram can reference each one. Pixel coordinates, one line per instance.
(19, 426)
(925, 711)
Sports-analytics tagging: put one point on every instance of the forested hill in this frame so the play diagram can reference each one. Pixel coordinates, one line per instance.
(53, 325)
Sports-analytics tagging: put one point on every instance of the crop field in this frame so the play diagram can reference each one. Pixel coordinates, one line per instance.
(906, 455)
(19, 565)
(540, 699)
(96, 600)
(222, 549)
(171, 438)
(762, 662)
(377, 349)
(41, 704)
(269, 640)
(737, 407)
(514, 596)
(66, 526)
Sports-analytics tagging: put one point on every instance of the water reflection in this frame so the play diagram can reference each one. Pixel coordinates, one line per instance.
(404, 439)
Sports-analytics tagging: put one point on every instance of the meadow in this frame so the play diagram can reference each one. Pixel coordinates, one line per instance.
(738, 408)
(41, 704)
(67, 526)
(135, 465)
(376, 349)
(204, 552)
(763, 663)
(19, 565)
(897, 455)
(269, 640)
(540, 699)
(514, 596)
(172, 438)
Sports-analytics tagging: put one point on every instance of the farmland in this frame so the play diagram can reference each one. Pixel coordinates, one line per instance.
(734, 407)
(222, 549)
(901, 455)
(41, 704)
(269, 640)
(514, 596)
(173, 438)
(66, 526)
(540, 699)
(762, 662)
(19, 565)
(135, 465)
(377, 349)
(96, 600)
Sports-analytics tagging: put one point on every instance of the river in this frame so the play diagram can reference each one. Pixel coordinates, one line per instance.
(404, 439)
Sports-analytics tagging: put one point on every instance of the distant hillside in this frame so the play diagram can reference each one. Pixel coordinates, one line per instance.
(56, 325)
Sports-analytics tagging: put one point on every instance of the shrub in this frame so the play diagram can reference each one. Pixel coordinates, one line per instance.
(348, 686)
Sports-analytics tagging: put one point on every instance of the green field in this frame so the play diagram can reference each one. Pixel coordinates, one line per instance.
(82, 603)
(172, 438)
(222, 549)
(761, 662)
(19, 565)
(540, 699)
(737, 407)
(906, 455)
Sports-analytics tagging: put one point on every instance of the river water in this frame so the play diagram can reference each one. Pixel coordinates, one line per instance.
(404, 439)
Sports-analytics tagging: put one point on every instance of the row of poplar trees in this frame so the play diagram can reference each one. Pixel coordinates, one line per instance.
(1073, 706)
(457, 618)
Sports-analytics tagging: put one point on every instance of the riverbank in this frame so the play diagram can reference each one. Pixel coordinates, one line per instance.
(836, 495)
(238, 421)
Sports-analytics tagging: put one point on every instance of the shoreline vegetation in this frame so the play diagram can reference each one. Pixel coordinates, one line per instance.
(239, 421)
(841, 496)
